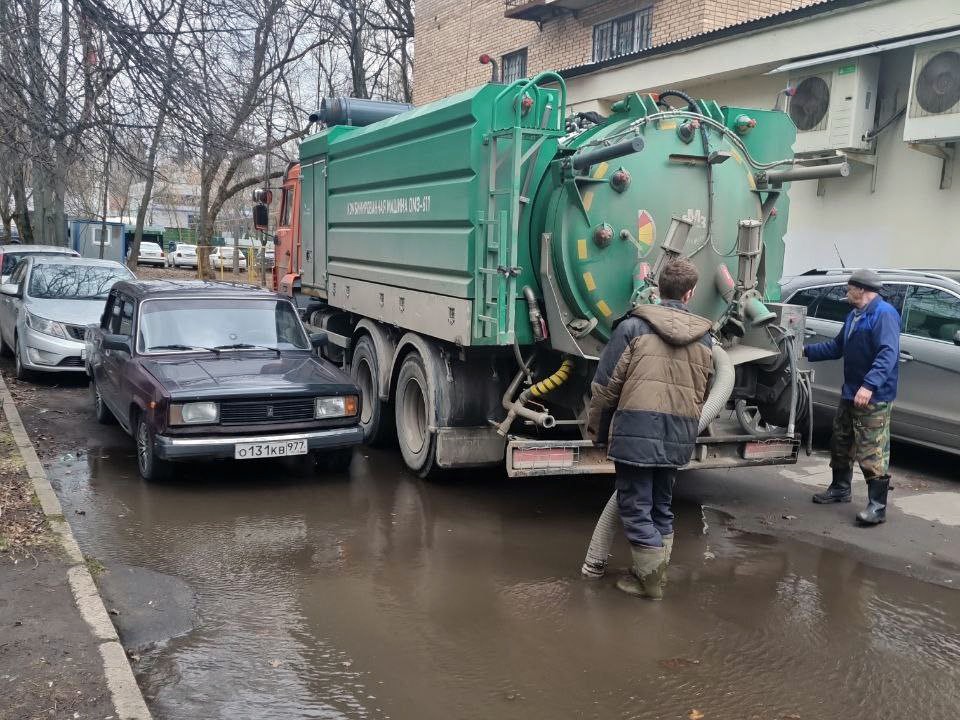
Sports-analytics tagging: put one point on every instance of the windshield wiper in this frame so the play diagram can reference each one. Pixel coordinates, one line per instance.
(175, 346)
(248, 346)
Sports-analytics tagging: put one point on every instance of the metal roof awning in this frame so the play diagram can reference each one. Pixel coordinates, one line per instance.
(865, 50)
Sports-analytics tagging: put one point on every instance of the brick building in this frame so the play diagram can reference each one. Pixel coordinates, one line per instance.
(528, 36)
(900, 207)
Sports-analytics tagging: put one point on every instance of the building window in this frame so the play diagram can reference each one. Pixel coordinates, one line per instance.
(622, 35)
(513, 66)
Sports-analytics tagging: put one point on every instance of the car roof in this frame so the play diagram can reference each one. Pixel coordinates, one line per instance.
(182, 288)
(74, 260)
(830, 276)
(55, 249)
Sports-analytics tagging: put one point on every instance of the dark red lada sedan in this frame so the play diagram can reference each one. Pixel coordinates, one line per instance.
(197, 370)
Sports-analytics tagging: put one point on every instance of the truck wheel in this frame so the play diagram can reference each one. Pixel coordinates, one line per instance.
(100, 409)
(414, 410)
(150, 466)
(376, 416)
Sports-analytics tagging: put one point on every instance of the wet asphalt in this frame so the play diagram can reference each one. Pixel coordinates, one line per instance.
(253, 590)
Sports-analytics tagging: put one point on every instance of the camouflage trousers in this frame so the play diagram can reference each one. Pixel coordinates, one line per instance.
(862, 434)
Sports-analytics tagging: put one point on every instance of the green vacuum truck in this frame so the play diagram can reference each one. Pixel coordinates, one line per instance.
(468, 259)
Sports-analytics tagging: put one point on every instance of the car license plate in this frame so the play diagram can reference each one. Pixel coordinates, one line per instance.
(272, 449)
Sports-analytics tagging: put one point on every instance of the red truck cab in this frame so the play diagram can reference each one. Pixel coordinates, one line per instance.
(286, 268)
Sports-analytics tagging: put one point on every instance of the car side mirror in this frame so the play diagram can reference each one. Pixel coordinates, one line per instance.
(956, 338)
(120, 343)
(11, 289)
(319, 339)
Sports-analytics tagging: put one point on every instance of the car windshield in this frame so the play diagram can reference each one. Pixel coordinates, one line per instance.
(220, 324)
(74, 281)
(187, 249)
(10, 259)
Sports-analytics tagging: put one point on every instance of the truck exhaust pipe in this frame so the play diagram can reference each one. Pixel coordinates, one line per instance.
(356, 112)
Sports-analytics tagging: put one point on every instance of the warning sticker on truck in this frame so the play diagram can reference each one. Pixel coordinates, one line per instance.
(390, 206)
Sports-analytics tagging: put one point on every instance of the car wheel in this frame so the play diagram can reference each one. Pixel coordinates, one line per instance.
(335, 461)
(22, 372)
(150, 466)
(100, 409)
(376, 416)
(413, 411)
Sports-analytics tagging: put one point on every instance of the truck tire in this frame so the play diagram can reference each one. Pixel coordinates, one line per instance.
(414, 412)
(376, 416)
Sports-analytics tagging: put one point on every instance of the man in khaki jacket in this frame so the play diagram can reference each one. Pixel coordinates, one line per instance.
(648, 394)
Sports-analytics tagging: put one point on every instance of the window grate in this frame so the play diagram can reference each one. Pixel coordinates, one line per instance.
(513, 66)
(623, 35)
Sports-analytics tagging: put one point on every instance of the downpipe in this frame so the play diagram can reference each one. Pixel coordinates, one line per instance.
(595, 562)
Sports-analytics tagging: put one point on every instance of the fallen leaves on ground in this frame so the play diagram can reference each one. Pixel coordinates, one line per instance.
(696, 715)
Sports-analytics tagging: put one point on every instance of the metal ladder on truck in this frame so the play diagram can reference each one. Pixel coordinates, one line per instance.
(514, 150)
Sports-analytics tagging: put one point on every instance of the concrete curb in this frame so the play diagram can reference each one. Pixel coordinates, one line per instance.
(127, 699)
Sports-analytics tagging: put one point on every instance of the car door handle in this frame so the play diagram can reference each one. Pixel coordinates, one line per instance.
(809, 333)
(905, 356)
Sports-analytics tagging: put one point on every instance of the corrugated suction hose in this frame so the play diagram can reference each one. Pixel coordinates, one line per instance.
(595, 563)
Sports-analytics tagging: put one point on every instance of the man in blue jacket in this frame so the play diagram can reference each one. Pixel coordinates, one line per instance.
(869, 344)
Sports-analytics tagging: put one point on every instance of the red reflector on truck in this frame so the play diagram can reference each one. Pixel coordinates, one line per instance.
(526, 458)
(762, 450)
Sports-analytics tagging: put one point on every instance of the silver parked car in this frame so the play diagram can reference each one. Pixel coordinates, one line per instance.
(10, 255)
(45, 309)
(927, 409)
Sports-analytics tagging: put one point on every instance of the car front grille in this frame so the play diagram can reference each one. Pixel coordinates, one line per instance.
(72, 361)
(77, 332)
(248, 412)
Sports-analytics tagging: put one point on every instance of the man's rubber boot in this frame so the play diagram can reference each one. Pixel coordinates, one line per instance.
(876, 511)
(667, 551)
(839, 490)
(645, 578)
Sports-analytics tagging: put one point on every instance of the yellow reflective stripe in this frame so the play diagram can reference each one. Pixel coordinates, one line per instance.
(601, 170)
(588, 281)
(582, 248)
(604, 308)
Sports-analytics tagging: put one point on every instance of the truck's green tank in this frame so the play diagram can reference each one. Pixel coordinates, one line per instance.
(436, 219)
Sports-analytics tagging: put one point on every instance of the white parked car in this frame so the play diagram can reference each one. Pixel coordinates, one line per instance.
(150, 254)
(46, 306)
(221, 258)
(182, 255)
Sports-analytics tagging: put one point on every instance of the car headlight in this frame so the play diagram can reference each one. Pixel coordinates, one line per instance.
(195, 413)
(47, 327)
(331, 407)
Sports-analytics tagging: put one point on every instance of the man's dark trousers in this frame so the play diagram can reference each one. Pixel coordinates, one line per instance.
(644, 496)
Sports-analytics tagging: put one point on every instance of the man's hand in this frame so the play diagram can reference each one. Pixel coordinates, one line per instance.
(862, 398)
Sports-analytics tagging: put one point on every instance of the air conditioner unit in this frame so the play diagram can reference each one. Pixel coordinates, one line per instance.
(933, 109)
(834, 105)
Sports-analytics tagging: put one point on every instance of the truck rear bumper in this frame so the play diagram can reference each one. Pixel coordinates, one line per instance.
(530, 458)
(168, 448)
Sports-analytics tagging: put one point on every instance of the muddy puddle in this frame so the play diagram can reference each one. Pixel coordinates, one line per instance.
(376, 595)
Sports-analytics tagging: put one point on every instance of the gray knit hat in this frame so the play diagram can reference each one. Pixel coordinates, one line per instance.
(867, 280)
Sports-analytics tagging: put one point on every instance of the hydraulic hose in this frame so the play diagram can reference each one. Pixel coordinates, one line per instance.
(518, 406)
(595, 562)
